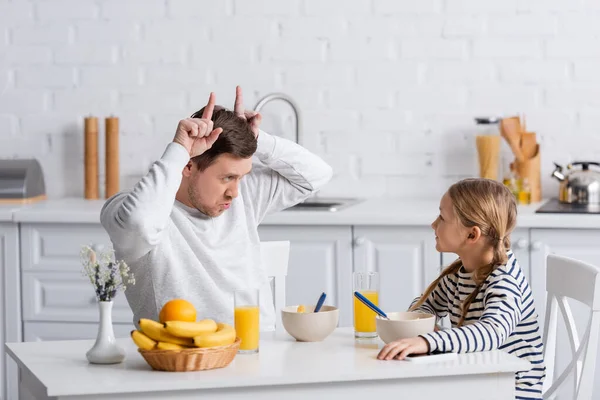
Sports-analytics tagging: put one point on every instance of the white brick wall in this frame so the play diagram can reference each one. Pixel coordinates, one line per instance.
(387, 88)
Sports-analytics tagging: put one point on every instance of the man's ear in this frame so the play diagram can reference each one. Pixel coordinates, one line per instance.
(187, 170)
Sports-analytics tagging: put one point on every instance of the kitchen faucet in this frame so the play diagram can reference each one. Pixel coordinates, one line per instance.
(282, 96)
(315, 202)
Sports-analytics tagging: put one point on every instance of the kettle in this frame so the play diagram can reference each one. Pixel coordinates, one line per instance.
(580, 186)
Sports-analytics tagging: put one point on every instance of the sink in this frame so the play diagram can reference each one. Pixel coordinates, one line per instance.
(324, 204)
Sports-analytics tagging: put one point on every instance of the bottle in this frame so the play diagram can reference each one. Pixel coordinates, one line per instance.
(525, 192)
(510, 181)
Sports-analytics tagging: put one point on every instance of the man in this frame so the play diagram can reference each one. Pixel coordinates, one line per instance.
(188, 229)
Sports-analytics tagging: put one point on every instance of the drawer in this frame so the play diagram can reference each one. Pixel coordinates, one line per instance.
(56, 247)
(43, 331)
(66, 296)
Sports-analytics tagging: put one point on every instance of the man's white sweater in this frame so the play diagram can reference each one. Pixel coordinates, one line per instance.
(177, 252)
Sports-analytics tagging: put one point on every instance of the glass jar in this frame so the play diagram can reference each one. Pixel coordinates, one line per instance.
(487, 142)
(487, 125)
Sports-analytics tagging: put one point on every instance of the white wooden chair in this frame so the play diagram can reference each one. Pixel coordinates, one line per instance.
(275, 257)
(568, 278)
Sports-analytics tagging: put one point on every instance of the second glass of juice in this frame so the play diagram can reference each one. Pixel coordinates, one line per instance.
(367, 284)
(247, 319)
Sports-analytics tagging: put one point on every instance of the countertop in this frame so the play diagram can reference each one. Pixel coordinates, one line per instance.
(369, 212)
(7, 212)
(63, 369)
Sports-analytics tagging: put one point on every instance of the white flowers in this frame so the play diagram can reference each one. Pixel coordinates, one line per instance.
(107, 276)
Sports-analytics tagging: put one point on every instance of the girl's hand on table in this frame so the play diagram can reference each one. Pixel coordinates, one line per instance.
(399, 349)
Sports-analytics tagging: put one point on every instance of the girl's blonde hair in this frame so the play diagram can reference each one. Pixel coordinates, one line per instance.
(490, 206)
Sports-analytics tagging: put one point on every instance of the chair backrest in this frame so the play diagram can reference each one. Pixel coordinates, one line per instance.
(567, 278)
(275, 257)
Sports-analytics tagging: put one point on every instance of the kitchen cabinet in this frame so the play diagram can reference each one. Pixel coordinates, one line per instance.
(581, 244)
(320, 261)
(44, 331)
(10, 318)
(404, 257)
(54, 289)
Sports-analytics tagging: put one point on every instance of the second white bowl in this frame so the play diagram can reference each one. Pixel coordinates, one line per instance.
(404, 325)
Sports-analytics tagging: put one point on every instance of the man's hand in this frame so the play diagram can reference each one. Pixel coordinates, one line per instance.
(252, 117)
(197, 134)
(399, 349)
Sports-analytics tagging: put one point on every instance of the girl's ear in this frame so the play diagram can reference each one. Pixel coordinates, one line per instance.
(474, 234)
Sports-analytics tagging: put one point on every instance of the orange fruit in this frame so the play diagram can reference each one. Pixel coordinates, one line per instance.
(177, 310)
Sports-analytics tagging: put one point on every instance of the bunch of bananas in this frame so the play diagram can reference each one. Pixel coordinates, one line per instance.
(177, 335)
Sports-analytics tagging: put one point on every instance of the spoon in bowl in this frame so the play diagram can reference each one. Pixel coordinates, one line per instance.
(320, 302)
(369, 304)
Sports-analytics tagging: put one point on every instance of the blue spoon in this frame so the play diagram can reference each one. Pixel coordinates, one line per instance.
(372, 306)
(320, 302)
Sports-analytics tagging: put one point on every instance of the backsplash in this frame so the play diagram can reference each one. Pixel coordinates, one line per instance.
(387, 89)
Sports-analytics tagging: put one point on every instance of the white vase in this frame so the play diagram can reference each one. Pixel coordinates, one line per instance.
(105, 350)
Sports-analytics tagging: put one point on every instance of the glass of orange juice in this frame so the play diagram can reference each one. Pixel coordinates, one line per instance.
(246, 315)
(367, 284)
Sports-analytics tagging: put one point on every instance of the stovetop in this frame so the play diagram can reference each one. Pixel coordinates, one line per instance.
(553, 206)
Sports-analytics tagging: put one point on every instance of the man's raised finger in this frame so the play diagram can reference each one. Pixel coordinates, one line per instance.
(238, 107)
(208, 110)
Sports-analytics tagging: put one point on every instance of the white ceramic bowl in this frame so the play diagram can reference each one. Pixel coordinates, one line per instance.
(404, 325)
(310, 326)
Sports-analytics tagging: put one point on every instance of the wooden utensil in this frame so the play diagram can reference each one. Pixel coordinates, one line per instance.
(528, 144)
(510, 129)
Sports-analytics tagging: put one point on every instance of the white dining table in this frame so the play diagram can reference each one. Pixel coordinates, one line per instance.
(338, 367)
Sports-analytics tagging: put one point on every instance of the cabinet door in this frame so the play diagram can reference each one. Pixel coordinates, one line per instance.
(66, 297)
(46, 331)
(405, 258)
(56, 247)
(10, 314)
(578, 244)
(320, 261)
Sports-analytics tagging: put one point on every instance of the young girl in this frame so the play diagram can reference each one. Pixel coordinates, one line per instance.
(484, 291)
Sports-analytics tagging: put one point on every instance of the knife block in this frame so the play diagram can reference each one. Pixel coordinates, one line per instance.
(530, 169)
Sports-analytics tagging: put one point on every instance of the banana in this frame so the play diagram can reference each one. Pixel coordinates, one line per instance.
(156, 330)
(190, 329)
(169, 346)
(224, 336)
(301, 309)
(142, 341)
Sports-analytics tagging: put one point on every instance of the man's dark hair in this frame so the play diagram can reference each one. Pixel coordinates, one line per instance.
(236, 139)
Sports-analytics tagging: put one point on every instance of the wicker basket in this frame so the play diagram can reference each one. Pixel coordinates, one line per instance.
(194, 359)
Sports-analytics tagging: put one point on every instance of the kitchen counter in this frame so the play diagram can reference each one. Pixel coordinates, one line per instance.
(7, 212)
(338, 366)
(369, 212)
